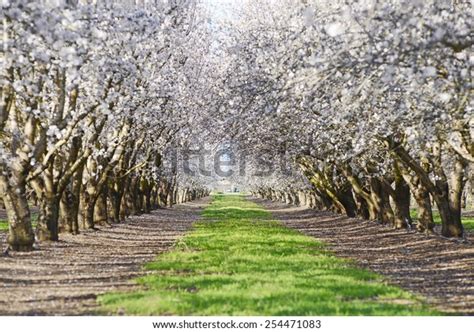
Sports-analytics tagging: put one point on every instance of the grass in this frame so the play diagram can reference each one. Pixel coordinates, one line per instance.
(468, 222)
(4, 223)
(240, 262)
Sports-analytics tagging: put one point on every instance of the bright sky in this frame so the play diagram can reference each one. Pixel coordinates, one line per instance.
(222, 8)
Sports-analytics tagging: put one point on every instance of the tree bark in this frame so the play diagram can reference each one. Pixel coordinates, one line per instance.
(453, 225)
(47, 228)
(446, 200)
(20, 232)
(347, 200)
(100, 208)
(425, 210)
(69, 210)
(401, 207)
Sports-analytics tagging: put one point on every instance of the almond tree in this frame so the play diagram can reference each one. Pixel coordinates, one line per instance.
(371, 99)
(89, 91)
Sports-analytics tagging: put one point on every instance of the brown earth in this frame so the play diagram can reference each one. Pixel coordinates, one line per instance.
(439, 269)
(64, 278)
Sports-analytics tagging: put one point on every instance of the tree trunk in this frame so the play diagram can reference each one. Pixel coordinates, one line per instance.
(88, 214)
(446, 200)
(401, 202)
(451, 221)
(69, 206)
(425, 211)
(380, 199)
(68, 212)
(154, 197)
(20, 232)
(371, 208)
(124, 211)
(452, 225)
(100, 209)
(169, 197)
(86, 208)
(47, 228)
(421, 195)
(362, 207)
(124, 203)
(148, 206)
(116, 202)
(347, 200)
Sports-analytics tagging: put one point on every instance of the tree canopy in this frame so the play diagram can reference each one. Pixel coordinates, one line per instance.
(364, 103)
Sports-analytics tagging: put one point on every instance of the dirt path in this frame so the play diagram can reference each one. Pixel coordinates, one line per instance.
(439, 269)
(64, 278)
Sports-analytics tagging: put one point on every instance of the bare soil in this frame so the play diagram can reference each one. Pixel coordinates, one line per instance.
(439, 269)
(65, 277)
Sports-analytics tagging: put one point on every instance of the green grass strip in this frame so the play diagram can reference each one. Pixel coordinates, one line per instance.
(237, 261)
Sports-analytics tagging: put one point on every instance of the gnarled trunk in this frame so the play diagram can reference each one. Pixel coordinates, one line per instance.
(451, 214)
(47, 228)
(20, 232)
(447, 199)
(347, 200)
(86, 208)
(116, 202)
(69, 205)
(401, 199)
(68, 213)
(100, 209)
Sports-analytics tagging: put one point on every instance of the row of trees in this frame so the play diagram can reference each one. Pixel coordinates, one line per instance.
(371, 100)
(92, 94)
(367, 103)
